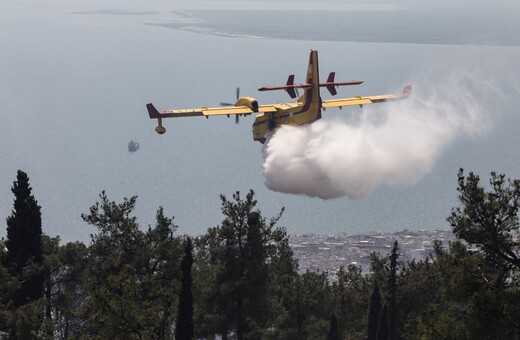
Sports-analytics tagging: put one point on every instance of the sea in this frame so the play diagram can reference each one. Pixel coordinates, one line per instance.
(75, 77)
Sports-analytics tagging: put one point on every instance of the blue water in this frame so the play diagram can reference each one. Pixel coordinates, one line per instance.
(73, 89)
(471, 25)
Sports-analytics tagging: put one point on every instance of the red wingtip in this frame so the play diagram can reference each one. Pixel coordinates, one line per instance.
(152, 111)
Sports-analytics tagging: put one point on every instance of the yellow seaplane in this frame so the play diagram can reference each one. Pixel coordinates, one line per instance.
(306, 109)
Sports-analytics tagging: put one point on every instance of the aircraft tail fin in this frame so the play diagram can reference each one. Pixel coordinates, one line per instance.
(312, 92)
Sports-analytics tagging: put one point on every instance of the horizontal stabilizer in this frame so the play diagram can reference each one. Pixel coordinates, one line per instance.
(343, 83)
(290, 87)
(284, 87)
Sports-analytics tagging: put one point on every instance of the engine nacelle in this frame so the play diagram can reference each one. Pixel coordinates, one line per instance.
(250, 102)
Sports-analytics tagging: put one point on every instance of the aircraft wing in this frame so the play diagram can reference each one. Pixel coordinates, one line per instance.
(206, 111)
(203, 111)
(235, 110)
(366, 100)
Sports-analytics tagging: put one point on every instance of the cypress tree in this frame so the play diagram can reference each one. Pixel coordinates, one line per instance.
(333, 329)
(184, 327)
(382, 329)
(392, 293)
(374, 312)
(24, 241)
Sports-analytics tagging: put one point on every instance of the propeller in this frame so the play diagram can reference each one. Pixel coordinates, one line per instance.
(229, 104)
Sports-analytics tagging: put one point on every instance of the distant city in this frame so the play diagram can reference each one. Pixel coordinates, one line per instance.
(327, 253)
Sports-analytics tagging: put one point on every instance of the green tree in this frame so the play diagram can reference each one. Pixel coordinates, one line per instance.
(382, 328)
(132, 277)
(234, 267)
(379, 270)
(67, 273)
(392, 293)
(283, 277)
(333, 329)
(308, 308)
(487, 219)
(374, 312)
(490, 221)
(8, 286)
(451, 300)
(184, 325)
(51, 265)
(419, 295)
(450, 314)
(24, 245)
(350, 295)
(28, 321)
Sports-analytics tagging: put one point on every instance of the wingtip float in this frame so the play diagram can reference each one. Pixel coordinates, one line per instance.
(307, 109)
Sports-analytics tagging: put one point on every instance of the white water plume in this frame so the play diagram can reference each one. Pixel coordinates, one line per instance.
(390, 144)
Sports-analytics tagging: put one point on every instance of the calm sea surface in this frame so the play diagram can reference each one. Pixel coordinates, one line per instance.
(75, 78)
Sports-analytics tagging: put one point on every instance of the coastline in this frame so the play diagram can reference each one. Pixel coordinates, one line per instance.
(358, 25)
(327, 253)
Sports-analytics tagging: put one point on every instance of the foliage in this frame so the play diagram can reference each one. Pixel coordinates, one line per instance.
(237, 260)
(490, 221)
(24, 246)
(239, 279)
(66, 272)
(333, 329)
(184, 325)
(470, 290)
(383, 326)
(132, 276)
(350, 295)
(392, 293)
(8, 286)
(374, 312)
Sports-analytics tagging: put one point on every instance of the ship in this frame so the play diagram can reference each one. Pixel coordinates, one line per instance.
(133, 146)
